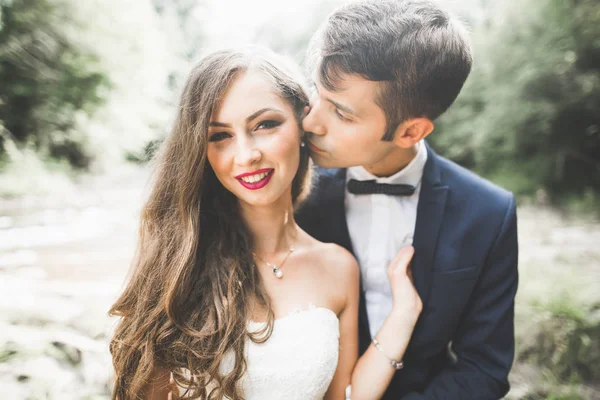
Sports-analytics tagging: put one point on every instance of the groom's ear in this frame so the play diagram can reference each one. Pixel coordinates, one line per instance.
(411, 131)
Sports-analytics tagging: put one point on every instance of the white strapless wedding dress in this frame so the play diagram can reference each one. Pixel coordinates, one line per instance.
(298, 360)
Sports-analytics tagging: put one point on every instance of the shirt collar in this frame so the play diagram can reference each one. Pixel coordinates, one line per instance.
(409, 175)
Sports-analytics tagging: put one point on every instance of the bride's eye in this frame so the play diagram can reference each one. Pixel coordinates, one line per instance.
(268, 124)
(217, 137)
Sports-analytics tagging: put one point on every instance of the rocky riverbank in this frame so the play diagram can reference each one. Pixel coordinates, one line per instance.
(64, 257)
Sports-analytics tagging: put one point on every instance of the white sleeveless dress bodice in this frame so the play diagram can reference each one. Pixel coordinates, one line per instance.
(298, 360)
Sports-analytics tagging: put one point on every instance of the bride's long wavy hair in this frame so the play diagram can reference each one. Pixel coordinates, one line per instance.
(186, 302)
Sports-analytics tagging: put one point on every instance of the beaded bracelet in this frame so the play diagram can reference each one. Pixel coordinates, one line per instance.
(395, 364)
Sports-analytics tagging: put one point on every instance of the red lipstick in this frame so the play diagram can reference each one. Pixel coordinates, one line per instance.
(258, 184)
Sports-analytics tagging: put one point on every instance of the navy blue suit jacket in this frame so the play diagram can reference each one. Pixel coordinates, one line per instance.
(465, 271)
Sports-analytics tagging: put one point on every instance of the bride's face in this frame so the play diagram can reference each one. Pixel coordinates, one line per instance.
(254, 141)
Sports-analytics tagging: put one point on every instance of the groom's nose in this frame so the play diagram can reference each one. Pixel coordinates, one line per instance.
(311, 122)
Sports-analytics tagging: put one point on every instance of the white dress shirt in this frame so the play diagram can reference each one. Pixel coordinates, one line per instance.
(380, 225)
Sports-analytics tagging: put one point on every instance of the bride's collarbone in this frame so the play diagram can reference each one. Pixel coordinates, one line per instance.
(291, 297)
(305, 283)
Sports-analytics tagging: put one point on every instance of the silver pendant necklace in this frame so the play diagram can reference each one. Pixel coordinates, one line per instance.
(277, 271)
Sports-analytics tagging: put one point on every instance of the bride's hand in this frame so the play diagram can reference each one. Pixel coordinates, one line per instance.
(407, 304)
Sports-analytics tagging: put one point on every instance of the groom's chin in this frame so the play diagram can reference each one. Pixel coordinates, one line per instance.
(326, 161)
(321, 160)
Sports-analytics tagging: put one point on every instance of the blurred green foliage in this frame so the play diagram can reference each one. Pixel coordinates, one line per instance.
(564, 346)
(567, 342)
(529, 115)
(47, 79)
(146, 154)
(547, 396)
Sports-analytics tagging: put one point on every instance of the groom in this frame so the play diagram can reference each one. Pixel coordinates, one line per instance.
(384, 71)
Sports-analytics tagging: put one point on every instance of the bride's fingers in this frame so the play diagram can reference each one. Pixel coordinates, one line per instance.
(409, 273)
(400, 263)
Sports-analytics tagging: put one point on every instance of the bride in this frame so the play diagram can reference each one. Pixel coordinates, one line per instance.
(227, 295)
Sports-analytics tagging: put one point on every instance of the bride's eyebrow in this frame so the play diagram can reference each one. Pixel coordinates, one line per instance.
(260, 112)
(251, 117)
(219, 124)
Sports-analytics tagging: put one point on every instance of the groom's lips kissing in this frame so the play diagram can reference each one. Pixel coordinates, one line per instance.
(314, 148)
(256, 179)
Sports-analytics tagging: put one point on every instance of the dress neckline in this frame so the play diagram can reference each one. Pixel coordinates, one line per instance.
(296, 313)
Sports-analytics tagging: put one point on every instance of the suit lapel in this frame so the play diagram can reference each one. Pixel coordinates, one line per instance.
(335, 209)
(430, 213)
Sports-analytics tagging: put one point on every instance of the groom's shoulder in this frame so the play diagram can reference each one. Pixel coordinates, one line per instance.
(321, 195)
(321, 173)
(468, 187)
(324, 180)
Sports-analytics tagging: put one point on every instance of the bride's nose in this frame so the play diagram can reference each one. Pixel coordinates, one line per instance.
(247, 153)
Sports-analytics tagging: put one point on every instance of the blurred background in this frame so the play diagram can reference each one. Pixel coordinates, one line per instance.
(88, 90)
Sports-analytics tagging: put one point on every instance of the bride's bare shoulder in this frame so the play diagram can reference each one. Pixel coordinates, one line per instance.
(335, 273)
(333, 259)
(335, 255)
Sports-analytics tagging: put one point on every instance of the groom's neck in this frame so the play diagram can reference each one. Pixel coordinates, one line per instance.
(393, 162)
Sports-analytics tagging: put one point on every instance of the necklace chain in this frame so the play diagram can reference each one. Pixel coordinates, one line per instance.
(276, 269)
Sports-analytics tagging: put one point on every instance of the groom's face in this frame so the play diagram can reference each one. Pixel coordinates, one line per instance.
(345, 126)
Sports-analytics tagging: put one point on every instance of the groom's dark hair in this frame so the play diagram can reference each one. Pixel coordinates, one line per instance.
(419, 51)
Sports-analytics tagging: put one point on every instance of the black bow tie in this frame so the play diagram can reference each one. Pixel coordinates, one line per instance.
(373, 187)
